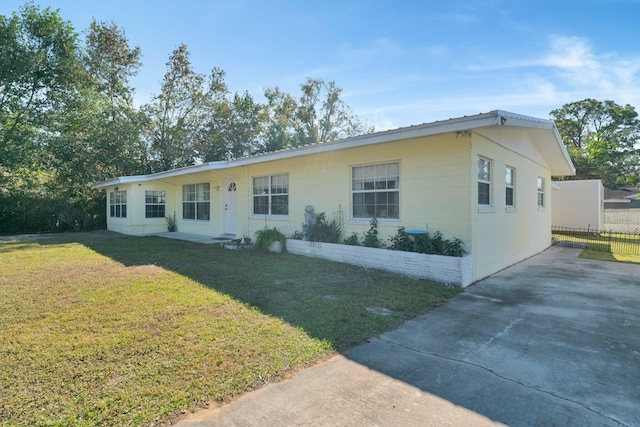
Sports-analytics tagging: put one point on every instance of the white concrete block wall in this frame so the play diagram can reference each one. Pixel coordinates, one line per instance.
(456, 270)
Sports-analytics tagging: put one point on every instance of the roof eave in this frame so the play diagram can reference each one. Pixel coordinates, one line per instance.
(428, 129)
(119, 181)
(557, 155)
(160, 175)
(491, 119)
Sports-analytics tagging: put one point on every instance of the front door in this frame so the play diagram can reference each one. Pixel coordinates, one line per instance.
(230, 208)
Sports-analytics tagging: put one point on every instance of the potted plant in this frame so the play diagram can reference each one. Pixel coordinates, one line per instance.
(171, 223)
(270, 239)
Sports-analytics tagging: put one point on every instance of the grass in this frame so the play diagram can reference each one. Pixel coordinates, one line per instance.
(606, 246)
(114, 330)
(609, 256)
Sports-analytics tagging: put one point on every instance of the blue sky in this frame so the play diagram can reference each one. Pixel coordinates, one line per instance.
(399, 63)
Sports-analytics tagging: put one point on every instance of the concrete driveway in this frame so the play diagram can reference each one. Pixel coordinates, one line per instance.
(554, 340)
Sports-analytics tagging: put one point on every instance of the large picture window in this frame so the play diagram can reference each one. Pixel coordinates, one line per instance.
(196, 201)
(271, 195)
(484, 181)
(154, 203)
(375, 190)
(118, 204)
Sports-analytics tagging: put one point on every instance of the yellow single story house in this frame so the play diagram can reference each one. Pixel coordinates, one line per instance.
(485, 179)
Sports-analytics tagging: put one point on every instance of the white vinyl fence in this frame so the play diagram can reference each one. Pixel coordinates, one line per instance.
(622, 220)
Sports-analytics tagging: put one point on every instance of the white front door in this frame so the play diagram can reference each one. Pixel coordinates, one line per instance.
(230, 208)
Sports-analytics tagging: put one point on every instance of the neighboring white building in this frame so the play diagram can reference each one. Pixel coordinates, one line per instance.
(485, 179)
(578, 204)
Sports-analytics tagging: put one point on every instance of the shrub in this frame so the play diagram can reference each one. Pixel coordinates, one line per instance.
(454, 247)
(371, 239)
(402, 241)
(33, 213)
(435, 244)
(323, 230)
(267, 236)
(432, 244)
(352, 240)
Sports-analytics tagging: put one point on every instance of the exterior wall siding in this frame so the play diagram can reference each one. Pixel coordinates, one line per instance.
(504, 236)
(434, 189)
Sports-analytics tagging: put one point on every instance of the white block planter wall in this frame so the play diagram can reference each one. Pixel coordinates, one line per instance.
(446, 269)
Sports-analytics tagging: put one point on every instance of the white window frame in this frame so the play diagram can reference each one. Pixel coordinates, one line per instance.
(510, 186)
(371, 183)
(485, 179)
(270, 195)
(541, 193)
(155, 204)
(118, 203)
(198, 198)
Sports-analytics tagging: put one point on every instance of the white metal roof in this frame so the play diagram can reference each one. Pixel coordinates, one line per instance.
(542, 132)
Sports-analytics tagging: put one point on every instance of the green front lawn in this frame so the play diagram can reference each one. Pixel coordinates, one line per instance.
(606, 246)
(609, 256)
(113, 330)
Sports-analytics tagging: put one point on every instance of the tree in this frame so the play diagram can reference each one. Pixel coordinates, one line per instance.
(319, 115)
(100, 126)
(602, 139)
(177, 117)
(281, 109)
(38, 69)
(234, 130)
(111, 62)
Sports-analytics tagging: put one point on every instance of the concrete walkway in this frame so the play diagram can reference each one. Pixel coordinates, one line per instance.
(195, 238)
(554, 340)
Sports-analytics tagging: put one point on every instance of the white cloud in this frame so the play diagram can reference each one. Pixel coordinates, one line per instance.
(574, 57)
(570, 52)
(573, 68)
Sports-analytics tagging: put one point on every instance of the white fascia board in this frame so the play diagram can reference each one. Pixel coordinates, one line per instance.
(565, 154)
(159, 175)
(119, 181)
(514, 119)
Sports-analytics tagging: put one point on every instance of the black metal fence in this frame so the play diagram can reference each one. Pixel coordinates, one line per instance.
(597, 240)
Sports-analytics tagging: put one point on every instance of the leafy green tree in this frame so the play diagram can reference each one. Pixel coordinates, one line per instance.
(246, 126)
(110, 62)
(319, 115)
(100, 126)
(281, 109)
(38, 69)
(234, 130)
(243, 126)
(602, 139)
(177, 117)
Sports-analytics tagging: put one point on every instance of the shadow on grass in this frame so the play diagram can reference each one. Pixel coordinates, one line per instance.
(610, 256)
(329, 301)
